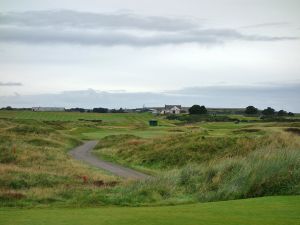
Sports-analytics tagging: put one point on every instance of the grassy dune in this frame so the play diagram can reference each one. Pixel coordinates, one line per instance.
(35, 167)
(260, 211)
(193, 146)
(194, 167)
(191, 163)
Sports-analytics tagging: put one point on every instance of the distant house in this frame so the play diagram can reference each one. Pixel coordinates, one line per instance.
(171, 109)
(48, 109)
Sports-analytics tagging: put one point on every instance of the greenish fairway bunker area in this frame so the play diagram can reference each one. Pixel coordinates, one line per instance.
(280, 210)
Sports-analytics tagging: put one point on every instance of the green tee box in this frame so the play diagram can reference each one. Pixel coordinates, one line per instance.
(153, 123)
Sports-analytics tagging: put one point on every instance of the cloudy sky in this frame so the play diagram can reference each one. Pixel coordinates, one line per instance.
(126, 53)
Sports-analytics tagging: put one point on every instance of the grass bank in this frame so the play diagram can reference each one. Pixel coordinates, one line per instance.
(190, 168)
(35, 168)
(175, 151)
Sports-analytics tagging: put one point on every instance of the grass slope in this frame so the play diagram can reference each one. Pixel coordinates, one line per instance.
(260, 211)
(35, 167)
(207, 168)
(195, 146)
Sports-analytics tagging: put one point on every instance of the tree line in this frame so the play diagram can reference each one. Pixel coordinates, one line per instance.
(269, 111)
(250, 110)
(97, 110)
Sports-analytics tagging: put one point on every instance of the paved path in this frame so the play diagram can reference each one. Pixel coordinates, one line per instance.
(83, 153)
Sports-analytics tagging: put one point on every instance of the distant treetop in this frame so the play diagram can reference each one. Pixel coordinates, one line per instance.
(251, 110)
(268, 111)
(197, 109)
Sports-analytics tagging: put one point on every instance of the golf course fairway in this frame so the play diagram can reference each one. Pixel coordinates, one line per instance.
(267, 210)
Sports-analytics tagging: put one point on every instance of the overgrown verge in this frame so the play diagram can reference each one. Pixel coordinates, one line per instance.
(35, 167)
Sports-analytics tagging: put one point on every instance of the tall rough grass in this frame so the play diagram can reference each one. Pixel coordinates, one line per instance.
(190, 147)
(263, 172)
(35, 167)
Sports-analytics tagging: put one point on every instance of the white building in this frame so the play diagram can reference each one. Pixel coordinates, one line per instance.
(48, 109)
(171, 109)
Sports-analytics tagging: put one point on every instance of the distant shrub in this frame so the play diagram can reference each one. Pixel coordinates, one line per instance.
(282, 113)
(100, 110)
(197, 109)
(199, 118)
(268, 111)
(120, 110)
(251, 110)
(76, 110)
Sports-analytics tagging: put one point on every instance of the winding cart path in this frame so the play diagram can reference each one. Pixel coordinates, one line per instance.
(84, 153)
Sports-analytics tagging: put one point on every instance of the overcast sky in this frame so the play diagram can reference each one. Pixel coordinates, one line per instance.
(221, 53)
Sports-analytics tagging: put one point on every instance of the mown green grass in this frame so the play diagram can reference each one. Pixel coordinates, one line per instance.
(108, 118)
(147, 132)
(281, 210)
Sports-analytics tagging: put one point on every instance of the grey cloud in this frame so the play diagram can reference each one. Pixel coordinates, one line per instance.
(274, 24)
(111, 38)
(75, 19)
(277, 96)
(84, 28)
(10, 84)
